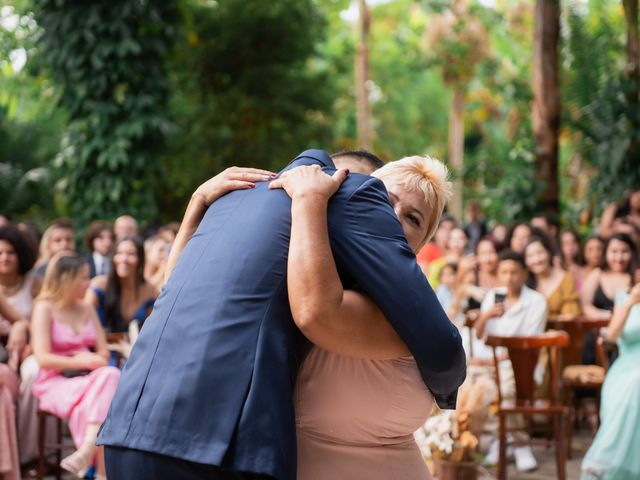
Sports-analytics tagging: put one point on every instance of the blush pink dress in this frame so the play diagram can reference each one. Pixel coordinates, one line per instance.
(355, 418)
(81, 400)
(9, 464)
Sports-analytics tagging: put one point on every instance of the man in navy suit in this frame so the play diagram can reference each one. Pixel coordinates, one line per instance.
(207, 391)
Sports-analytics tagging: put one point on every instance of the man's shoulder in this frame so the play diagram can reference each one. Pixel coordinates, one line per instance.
(533, 297)
(359, 187)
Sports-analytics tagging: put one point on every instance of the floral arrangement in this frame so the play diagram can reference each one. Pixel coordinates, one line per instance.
(453, 435)
(440, 438)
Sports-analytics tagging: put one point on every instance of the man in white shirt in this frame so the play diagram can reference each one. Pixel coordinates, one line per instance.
(512, 309)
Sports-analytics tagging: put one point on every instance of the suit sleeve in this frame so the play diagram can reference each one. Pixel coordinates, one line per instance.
(368, 242)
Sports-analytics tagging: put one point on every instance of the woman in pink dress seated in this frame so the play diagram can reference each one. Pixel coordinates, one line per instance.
(359, 394)
(74, 382)
(9, 463)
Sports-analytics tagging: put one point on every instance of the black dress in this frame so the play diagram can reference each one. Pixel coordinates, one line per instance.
(601, 301)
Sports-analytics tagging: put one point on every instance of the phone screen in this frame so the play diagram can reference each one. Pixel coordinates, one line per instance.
(500, 297)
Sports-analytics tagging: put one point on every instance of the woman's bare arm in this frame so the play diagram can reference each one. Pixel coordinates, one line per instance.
(41, 339)
(589, 288)
(234, 178)
(620, 314)
(344, 322)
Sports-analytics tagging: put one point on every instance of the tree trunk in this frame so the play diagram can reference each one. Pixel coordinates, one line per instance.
(361, 77)
(546, 101)
(633, 46)
(456, 149)
(632, 71)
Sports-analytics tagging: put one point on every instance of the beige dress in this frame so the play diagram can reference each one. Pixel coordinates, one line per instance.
(355, 418)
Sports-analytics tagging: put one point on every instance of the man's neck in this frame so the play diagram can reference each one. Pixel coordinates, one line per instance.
(513, 296)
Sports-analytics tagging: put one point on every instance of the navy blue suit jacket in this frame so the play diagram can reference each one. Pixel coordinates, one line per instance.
(210, 378)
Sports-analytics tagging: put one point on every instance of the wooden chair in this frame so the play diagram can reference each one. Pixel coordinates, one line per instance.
(114, 338)
(523, 353)
(470, 318)
(43, 447)
(575, 375)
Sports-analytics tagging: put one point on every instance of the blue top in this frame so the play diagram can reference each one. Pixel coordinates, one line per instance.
(210, 378)
(119, 324)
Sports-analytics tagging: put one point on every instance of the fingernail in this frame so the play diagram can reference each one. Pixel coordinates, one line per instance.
(274, 175)
(347, 171)
(251, 185)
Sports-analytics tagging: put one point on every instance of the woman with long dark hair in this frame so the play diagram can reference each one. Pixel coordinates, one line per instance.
(556, 284)
(123, 298)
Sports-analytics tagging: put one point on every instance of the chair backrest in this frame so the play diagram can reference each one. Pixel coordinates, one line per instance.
(577, 329)
(524, 353)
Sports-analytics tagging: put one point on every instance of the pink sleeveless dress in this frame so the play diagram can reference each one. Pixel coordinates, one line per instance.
(81, 400)
(355, 418)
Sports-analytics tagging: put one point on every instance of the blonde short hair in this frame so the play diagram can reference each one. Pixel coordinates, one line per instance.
(423, 174)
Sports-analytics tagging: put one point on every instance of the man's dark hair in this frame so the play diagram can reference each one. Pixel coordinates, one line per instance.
(94, 230)
(509, 254)
(362, 156)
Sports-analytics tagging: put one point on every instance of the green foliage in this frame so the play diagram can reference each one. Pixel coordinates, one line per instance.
(30, 124)
(248, 90)
(25, 185)
(602, 108)
(108, 59)
(499, 146)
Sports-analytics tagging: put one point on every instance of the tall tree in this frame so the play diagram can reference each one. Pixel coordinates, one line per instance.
(459, 41)
(248, 90)
(362, 75)
(108, 60)
(632, 72)
(546, 100)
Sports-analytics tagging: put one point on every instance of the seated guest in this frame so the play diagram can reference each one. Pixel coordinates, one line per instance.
(512, 309)
(59, 237)
(553, 282)
(615, 274)
(456, 247)
(477, 275)
(98, 240)
(547, 225)
(123, 299)
(592, 253)
(614, 451)
(169, 231)
(125, 226)
(499, 233)
(628, 210)
(447, 287)
(518, 237)
(74, 382)
(156, 251)
(18, 284)
(436, 248)
(570, 257)
(9, 462)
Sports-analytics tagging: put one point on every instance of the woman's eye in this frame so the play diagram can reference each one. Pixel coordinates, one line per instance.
(413, 219)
